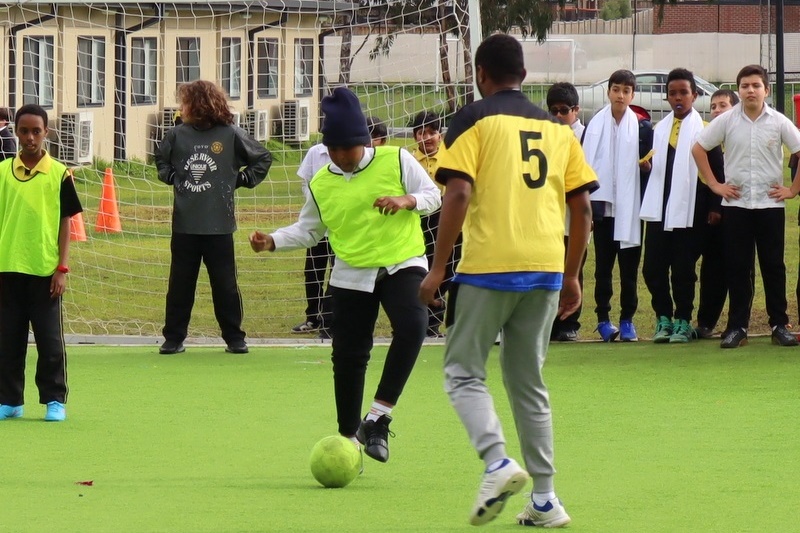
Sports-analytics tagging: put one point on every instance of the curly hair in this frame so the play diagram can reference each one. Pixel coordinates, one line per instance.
(204, 104)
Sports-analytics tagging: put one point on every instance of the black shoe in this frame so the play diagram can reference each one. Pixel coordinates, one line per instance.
(237, 347)
(734, 338)
(782, 337)
(309, 326)
(375, 437)
(171, 347)
(434, 333)
(567, 335)
(703, 332)
(325, 334)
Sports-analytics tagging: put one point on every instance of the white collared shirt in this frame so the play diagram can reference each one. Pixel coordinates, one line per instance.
(577, 129)
(316, 158)
(309, 228)
(753, 152)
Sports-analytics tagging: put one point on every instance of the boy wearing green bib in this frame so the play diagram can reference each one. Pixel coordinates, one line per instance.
(37, 197)
(369, 200)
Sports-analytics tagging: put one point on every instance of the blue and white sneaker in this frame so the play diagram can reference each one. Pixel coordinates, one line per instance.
(608, 331)
(627, 333)
(56, 412)
(551, 514)
(10, 411)
(496, 487)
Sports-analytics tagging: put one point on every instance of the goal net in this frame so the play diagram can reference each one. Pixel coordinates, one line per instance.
(107, 74)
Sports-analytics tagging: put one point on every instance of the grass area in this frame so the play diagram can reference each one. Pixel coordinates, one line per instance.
(648, 438)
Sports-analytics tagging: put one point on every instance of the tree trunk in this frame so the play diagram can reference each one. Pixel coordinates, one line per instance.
(345, 58)
(469, 74)
(444, 59)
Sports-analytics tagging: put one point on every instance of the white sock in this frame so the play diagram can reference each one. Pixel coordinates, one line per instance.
(541, 498)
(377, 410)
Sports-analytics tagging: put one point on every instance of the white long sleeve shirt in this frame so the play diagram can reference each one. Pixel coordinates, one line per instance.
(309, 228)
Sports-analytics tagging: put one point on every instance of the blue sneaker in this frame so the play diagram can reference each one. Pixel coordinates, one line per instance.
(607, 331)
(56, 412)
(627, 333)
(10, 411)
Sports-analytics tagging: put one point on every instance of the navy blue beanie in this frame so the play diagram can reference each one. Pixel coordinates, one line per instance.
(344, 124)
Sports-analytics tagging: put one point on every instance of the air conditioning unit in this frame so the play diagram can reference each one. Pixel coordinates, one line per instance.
(295, 118)
(76, 137)
(237, 118)
(168, 116)
(256, 123)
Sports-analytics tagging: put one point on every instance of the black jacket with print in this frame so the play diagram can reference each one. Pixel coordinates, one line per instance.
(205, 167)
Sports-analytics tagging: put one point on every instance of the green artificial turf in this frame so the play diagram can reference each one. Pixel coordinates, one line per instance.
(648, 439)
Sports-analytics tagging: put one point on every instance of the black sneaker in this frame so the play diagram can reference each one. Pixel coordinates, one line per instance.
(703, 332)
(307, 326)
(374, 435)
(433, 332)
(237, 347)
(171, 347)
(734, 338)
(782, 337)
(566, 335)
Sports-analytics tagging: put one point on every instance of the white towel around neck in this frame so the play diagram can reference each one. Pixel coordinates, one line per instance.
(679, 212)
(621, 186)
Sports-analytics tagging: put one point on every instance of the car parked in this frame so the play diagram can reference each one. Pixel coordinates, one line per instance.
(650, 94)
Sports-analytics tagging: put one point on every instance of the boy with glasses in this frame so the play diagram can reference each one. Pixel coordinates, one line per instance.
(562, 102)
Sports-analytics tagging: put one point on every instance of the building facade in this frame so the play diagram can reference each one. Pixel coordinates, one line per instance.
(108, 73)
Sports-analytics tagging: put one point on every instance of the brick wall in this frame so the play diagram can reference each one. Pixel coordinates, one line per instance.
(716, 18)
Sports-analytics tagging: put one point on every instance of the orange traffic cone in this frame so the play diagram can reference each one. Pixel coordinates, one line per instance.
(108, 214)
(77, 230)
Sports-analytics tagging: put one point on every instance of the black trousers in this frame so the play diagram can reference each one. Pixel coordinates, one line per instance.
(797, 290)
(354, 317)
(670, 260)
(25, 300)
(216, 251)
(607, 252)
(572, 322)
(713, 287)
(318, 300)
(742, 229)
(430, 228)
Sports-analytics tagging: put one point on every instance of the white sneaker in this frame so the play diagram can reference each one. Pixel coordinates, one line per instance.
(496, 486)
(551, 514)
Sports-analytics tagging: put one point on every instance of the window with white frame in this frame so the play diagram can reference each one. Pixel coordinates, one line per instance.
(231, 64)
(37, 70)
(267, 54)
(144, 70)
(91, 70)
(303, 67)
(188, 59)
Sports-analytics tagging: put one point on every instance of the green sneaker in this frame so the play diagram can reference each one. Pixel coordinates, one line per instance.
(682, 332)
(663, 330)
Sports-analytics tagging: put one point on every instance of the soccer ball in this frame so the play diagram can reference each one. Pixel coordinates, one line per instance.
(335, 461)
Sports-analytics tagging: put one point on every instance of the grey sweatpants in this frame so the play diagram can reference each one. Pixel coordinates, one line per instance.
(525, 319)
